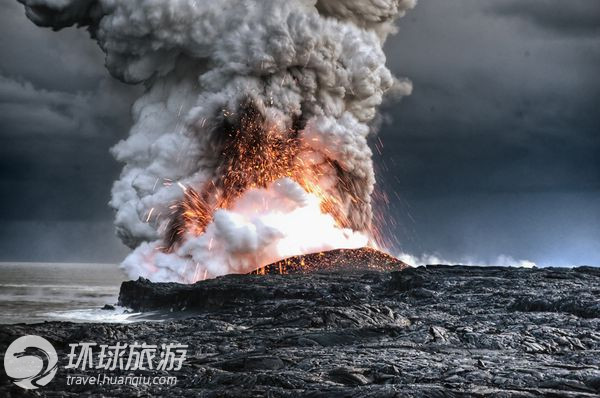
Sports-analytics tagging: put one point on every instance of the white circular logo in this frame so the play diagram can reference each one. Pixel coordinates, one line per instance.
(31, 362)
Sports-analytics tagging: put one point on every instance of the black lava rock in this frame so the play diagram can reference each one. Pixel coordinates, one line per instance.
(435, 331)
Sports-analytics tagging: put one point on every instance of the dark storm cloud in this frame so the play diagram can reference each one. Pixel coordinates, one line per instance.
(54, 159)
(64, 61)
(492, 111)
(60, 241)
(577, 17)
(26, 109)
(496, 152)
(60, 112)
(55, 84)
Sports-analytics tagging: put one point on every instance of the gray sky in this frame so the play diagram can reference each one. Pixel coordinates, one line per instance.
(497, 152)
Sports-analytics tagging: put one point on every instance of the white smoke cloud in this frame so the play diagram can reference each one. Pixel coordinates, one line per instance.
(500, 261)
(321, 61)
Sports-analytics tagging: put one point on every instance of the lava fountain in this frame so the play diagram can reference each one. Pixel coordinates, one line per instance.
(249, 144)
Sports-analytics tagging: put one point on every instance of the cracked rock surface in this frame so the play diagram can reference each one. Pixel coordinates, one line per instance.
(432, 331)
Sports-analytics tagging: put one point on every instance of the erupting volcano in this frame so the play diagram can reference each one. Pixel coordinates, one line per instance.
(250, 143)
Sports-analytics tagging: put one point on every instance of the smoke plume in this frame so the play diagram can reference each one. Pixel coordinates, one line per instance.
(250, 142)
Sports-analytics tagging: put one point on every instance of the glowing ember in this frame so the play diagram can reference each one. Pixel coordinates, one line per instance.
(255, 154)
(274, 196)
(351, 259)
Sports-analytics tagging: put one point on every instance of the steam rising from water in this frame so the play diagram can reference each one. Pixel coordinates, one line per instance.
(500, 261)
(312, 69)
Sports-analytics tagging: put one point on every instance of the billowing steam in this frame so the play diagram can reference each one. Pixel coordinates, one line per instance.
(250, 142)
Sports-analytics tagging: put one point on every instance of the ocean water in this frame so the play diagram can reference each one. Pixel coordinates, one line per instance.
(37, 292)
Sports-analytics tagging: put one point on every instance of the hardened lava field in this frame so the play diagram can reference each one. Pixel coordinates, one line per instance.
(435, 331)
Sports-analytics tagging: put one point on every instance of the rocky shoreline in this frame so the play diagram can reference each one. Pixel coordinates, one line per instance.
(432, 331)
